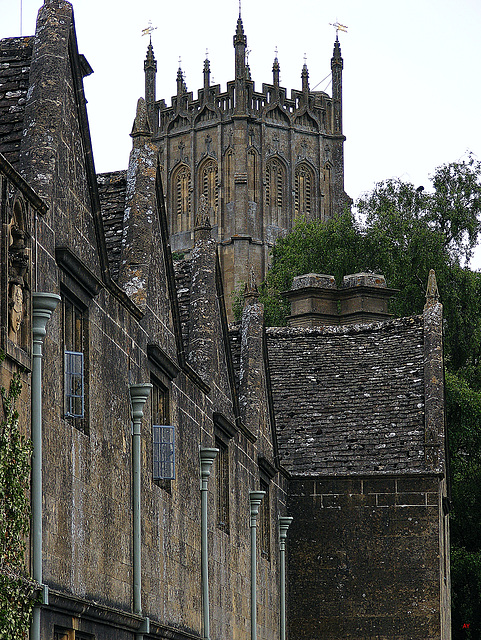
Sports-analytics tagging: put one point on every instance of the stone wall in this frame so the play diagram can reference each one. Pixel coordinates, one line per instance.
(364, 558)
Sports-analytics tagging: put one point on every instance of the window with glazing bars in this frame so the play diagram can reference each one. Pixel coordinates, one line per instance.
(163, 435)
(163, 452)
(222, 482)
(74, 384)
(264, 522)
(74, 374)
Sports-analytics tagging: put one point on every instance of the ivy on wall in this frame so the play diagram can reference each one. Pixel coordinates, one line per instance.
(18, 593)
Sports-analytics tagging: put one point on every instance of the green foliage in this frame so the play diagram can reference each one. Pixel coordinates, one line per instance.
(404, 233)
(17, 593)
(237, 300)
(466, 576)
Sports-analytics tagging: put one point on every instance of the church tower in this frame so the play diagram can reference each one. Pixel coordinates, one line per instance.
(252, 161)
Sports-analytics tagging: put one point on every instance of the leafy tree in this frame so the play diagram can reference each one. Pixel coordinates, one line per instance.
(403, 232)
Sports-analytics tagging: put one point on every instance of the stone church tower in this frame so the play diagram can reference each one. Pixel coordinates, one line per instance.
(252, 161)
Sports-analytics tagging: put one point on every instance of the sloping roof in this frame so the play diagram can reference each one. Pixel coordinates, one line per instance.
(349, 399)
(112, 187)
(15, 58)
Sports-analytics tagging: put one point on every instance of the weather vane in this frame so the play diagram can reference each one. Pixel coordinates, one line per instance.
(338, 27)
(149, 29)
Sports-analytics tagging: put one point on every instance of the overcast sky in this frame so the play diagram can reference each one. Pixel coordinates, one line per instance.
(412, 89)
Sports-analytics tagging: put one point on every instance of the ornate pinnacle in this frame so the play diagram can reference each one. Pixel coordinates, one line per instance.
(251, 291)
(432, 292)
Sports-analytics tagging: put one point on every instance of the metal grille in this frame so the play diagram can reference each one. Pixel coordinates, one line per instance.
(74, 384)
(163, 452)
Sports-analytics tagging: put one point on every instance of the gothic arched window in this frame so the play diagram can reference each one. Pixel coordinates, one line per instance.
(275, 192)
(304, 190)
(181, 201)
(208, 187)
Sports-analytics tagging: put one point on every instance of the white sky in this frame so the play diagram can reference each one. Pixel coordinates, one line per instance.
(412, 89)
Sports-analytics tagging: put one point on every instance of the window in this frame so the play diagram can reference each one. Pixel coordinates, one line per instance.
(208, 188)
(303, 190)
(274, 191)
(163, 435)
(69, 634)
(74, 341)
(222, 482)
(264, 522)
(181, 204)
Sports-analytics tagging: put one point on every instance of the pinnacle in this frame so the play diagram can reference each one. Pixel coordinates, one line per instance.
(141, 125)
(432, 292)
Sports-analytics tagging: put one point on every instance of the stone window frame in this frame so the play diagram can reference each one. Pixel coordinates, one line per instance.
(275, 174)
(208, 186)
(304, 190)
(267, 472)
(160, 415)
(75, 310)
(181, 185)
(224, 431)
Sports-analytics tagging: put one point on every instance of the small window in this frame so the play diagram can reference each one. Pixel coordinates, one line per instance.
(75, 378)
(264, 522)
(163, 452)
(74, 384)
(222, 482)
(163, 434)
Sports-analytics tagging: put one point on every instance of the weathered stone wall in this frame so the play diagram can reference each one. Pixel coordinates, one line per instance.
(364, 558)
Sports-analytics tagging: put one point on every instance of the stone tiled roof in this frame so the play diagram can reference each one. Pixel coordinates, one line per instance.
(112, 188)
(15, 58)
(349, 399)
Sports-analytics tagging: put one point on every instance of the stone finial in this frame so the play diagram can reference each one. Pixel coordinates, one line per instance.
(240, 37)
(202, 225)
(251, 292)
(202, 219)
(141, 126)
(432, 293)
(150, 62)
(305, 77)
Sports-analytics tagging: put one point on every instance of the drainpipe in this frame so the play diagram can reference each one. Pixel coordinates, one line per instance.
(138, 397)
(255, 499)
(284, 523)
(44, 305)
(207, 457)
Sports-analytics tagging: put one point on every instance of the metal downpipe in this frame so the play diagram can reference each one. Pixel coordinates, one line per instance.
(207, 457)
(138, 397)
(255, 499)
(44, 305)
(284, 523)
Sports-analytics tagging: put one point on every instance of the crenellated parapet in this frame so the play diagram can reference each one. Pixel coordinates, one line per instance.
(260, 159)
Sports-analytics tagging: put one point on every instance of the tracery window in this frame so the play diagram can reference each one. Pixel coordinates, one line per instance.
(275, 192)
(181, 200)
(208, 187)
(304, 184)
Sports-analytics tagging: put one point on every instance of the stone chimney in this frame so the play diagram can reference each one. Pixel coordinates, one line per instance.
(316, 300)
(364, 297)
